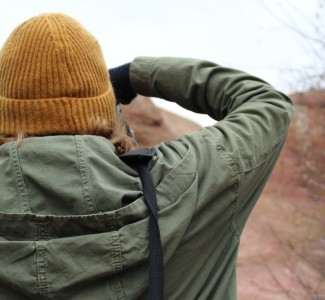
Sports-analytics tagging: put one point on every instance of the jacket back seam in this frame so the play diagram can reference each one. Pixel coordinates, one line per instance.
(41, 268)
(117, 257)
(23, 196)
(89, 204)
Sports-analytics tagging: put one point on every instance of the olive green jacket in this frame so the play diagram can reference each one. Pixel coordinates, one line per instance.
(73, 223)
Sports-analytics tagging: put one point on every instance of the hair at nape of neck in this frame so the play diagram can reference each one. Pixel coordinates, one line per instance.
(118, 132)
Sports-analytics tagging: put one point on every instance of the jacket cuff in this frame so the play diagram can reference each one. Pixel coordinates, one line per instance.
(140, 75)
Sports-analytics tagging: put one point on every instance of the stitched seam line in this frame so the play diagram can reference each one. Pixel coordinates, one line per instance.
(20, 184)
(117, 258)
(89, 204)
(110, 222)
(41, 266)
(235, 187)
(117, 263)
(42, 229)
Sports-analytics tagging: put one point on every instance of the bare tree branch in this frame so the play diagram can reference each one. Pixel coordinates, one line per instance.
(312, 40)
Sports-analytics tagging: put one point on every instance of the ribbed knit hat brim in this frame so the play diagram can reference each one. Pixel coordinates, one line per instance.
(53, 79)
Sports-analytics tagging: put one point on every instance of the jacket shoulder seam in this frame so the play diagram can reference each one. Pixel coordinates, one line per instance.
(235, 171)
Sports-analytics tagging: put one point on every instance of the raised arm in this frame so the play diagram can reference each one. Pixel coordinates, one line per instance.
(253, 122)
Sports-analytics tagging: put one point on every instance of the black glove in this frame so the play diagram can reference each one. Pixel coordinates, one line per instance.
(120, 78)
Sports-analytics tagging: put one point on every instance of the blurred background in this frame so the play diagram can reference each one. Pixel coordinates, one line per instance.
(282, 254)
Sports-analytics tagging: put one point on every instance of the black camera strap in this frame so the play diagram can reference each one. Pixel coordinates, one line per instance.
(139, 158)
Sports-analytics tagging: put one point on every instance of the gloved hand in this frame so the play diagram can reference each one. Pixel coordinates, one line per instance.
(120, 78)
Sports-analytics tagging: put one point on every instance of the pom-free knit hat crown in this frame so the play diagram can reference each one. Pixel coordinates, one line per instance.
(53, 79)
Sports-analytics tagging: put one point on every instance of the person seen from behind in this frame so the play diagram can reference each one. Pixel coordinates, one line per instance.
(73, 220)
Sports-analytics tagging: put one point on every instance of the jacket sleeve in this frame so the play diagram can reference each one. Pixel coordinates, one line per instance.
(253, 122)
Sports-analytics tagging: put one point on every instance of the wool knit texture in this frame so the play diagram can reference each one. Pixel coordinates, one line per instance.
(53, 79)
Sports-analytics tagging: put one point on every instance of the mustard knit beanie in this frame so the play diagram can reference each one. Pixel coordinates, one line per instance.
(53, 79)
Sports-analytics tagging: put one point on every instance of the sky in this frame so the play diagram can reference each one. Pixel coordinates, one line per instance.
(252, 35)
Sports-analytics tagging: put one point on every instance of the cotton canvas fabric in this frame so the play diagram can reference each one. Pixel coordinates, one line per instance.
(73, 223)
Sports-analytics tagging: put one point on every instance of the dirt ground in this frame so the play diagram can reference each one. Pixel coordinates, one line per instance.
(282, 252)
